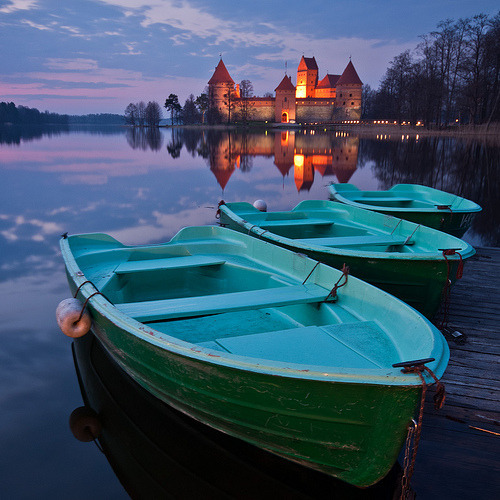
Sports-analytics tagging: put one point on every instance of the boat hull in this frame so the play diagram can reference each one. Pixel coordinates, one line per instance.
(145, 442)
(366, 424)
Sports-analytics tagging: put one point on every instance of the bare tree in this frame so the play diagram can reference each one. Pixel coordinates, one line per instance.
(246, 88)
(230, 100)
(131, 114)
(475, 67)
(153, 114)
(245, 104)
(141, 114)
(453, 76)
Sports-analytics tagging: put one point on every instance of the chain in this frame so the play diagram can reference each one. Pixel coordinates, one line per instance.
(415, 430)
(405, 483)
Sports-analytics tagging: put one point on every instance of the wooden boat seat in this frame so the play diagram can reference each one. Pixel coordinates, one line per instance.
(347, 241)
(295, 222)
(361, 344)
(157, 310)
(134, 266)
(383, 199)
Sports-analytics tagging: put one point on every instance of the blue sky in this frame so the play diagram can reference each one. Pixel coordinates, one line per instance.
(91, 56)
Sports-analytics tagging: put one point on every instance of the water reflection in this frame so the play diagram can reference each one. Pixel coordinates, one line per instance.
(144, 185)
(465, 167)
(157, 452)
(144, 138)
(14, 134)
(321, 154)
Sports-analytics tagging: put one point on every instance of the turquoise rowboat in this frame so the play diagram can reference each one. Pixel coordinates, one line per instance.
(407, 260)
(239, 334)
(421, 204)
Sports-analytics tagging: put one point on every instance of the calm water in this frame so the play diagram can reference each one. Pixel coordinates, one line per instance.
(142, 188)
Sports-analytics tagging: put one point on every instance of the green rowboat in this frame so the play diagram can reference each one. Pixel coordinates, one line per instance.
(159, 453)
(236, 333)
(421, 204)
(403, 258)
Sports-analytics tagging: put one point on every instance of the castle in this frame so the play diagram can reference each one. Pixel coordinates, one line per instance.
(334, 98)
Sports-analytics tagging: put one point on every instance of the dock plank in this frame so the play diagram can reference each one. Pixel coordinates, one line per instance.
(456, 460)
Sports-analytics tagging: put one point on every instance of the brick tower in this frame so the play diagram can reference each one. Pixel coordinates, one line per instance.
(219, 86)
(348, 96)
(307, 77)
(284, 110)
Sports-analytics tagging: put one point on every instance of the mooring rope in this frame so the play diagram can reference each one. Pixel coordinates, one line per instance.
(447, 286)
(217, 214)
(88, 298)
(333, 292)
(415, 431)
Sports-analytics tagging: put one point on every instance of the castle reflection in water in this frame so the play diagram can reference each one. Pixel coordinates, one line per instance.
(302, 154)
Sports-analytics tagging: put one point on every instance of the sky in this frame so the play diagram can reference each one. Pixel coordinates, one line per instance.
(97, 56)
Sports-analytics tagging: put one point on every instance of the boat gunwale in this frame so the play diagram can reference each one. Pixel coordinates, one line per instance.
(474, 207)
(382, 376)
(465, 249)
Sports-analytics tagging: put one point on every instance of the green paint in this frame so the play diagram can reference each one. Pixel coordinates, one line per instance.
(420, 204)
(308, 380)
(400, 257)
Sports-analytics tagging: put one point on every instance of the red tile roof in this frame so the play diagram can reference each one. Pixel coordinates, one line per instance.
(349, 76)
(286, 84)
(328, 82)
(307, 63)
(221, 75)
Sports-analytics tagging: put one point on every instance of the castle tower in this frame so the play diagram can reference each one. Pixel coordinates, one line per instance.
(284, 111)
(219, 87)
(349, 91)
(307, 77)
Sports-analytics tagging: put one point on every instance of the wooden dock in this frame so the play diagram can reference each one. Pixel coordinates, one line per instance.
(459, 452)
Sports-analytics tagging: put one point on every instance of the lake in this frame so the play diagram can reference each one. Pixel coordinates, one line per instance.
(142, 187)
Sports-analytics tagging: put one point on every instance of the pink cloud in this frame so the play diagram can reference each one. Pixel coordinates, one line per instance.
(70, 87)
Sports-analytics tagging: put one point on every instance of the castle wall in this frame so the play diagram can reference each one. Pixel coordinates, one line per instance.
(314, 110)
(262, 109)
(346, 113)
(306, 111)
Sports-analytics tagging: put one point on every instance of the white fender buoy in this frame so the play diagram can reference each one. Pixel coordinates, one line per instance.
(85, 424)
(68, 318)
(260, 205)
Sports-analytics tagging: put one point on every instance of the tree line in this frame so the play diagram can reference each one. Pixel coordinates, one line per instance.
(195, 109)
(22, 115)
(452, 76)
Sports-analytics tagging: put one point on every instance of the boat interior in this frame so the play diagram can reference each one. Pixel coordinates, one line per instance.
(406, 197)
(232, 304)
(387, 199)
(332, 228)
